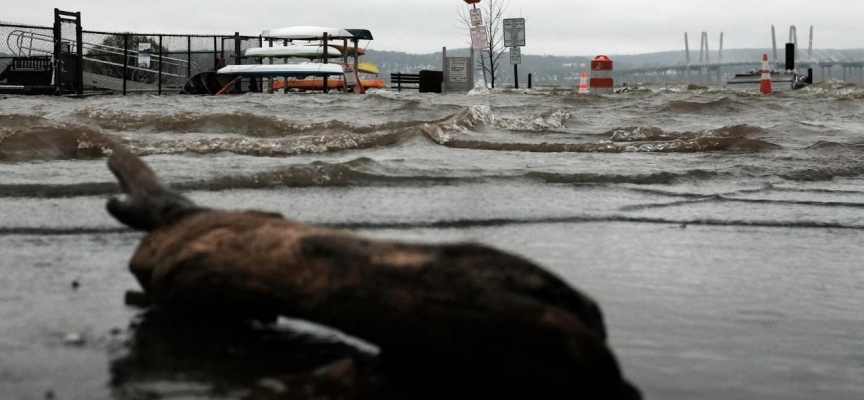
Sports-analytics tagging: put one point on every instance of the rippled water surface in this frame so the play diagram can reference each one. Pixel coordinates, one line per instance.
(720, 231)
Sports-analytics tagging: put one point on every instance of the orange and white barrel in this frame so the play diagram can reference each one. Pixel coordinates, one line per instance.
(583, 83)
(765, 86)
(601, 75)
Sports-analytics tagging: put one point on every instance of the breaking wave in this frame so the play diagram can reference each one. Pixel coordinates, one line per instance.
(540, 122)
(834, 147)
(692, 107)
(46, 143)
(358, 172)
(636, 179)
(824, 174)
(240, 123)
(650, 133)
(329, 143)
(447, 133)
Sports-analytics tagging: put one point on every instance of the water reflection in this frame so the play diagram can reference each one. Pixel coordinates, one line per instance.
(170, 356)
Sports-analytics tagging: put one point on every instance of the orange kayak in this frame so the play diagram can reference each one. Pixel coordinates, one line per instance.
(350, 49)
(318, 84)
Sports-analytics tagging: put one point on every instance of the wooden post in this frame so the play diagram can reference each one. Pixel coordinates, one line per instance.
(125, 60)
(325, 60)
(356, 59)
(270, 78)
(345, 61)
(529, 81)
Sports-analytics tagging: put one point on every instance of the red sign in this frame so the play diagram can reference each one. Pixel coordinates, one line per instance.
(472, 1)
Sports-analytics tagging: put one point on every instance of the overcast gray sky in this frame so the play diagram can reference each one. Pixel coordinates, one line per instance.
(559, 27)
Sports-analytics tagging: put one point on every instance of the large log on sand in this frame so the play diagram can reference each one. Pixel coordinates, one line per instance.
(454, 308)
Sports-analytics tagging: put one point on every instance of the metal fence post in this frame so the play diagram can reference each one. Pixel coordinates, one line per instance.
(58, 46)
(125, 60)
(238, 60)
(79, 38)
(188, 57)
(215, 55)
(160, 64)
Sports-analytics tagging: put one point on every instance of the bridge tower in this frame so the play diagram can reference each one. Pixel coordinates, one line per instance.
(774, 43)
(687, 57)
(720, 54)
(793, 38)
(686, 49)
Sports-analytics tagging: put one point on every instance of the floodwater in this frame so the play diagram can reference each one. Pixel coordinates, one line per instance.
(720, 231)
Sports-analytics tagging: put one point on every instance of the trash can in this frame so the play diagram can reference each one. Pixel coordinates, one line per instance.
(430, 81)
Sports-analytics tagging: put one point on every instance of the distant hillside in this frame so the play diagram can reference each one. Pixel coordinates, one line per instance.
(561, 69)
(545, 69)
(671, 58)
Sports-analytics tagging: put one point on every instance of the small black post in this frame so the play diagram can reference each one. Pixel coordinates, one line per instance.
(79, 37)
(58, 45)
(188, 57)
(325, 61)
(160, 65)
(516, 74)
(529, 81)
(790, 56)
(125, 60)
(237, 56)
(810, 75)
(215, 54)
(261, 62)
(238, 60)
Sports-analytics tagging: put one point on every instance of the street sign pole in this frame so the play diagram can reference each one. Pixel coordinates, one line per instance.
(514, 38)
(516, 59)
(516, 74)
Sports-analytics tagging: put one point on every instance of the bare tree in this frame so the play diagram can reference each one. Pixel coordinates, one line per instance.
(493, 14)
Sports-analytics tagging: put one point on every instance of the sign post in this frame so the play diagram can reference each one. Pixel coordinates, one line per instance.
(476, 17)
(144, 55)
(516, 59)
(479, 37)
(514, 32)
(514, 38)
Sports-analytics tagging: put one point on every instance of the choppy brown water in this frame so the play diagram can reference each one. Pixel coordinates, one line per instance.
(720, 231)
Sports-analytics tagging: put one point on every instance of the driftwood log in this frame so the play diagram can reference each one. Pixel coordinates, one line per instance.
(452, 309)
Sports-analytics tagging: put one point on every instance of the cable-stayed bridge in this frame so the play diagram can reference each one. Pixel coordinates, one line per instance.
(715, 66)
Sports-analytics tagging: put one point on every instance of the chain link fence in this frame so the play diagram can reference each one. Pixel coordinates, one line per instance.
(126, 63)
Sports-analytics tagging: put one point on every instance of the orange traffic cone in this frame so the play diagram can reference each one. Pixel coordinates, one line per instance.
(583, 83)
(765, 85)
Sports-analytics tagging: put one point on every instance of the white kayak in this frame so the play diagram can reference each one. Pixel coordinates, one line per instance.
(307, 33)
(296, 51)
(300, 69)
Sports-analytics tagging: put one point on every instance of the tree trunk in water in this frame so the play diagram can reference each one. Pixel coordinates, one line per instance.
(492, 66)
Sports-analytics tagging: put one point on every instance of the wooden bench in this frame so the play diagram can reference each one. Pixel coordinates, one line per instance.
(398, 79)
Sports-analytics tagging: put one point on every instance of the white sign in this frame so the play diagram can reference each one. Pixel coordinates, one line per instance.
(350, 77)
(514, 32)
(478, 37)
(476, 17)
(515, 55)
(143, 55)
(459, 70)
